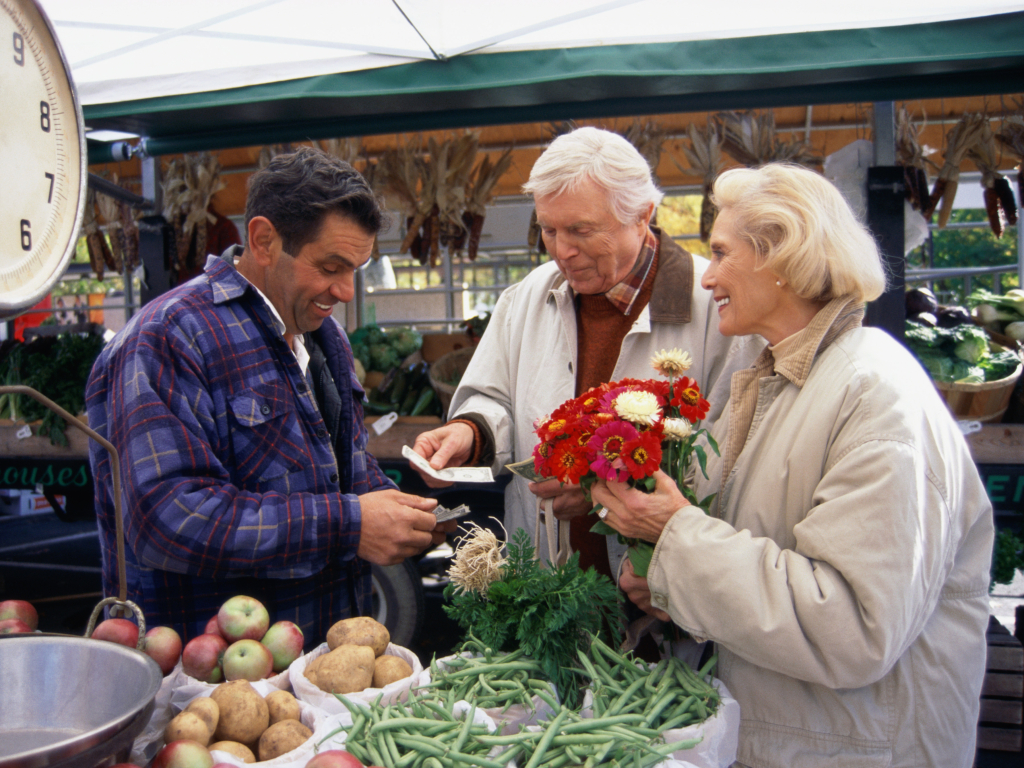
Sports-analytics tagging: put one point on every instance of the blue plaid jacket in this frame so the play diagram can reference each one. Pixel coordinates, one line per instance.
(230, 484)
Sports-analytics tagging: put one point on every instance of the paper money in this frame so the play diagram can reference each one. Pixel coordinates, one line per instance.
(525, 469)
(450, 474)
(443, 513)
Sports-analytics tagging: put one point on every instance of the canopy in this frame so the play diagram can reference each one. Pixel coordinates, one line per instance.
(196, 74)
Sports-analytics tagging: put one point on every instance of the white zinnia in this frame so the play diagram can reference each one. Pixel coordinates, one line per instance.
(637, 407)
(671, 362)
(677, 429)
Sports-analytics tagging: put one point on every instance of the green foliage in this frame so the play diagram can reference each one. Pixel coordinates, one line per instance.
(1007, 557)
(975, 247)
(548, 612)
(679, 216)
(55, 366)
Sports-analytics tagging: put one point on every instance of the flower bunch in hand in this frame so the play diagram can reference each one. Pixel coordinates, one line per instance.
(625, 431)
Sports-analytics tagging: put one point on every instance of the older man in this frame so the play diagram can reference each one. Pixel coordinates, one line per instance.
(616, 291)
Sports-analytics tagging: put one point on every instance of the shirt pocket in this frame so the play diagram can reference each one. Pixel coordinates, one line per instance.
(265, 434)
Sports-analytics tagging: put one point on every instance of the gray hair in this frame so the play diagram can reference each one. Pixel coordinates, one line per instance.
(606, 159)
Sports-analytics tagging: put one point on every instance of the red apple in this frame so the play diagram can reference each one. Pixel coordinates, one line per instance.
(243, 618)
(285, 641)
(334, 758)
(201, 658)
(20, 609)
(119, 631)
(247, 660)
(183, 754)
(163, 645)
(14, 627)
(212, 627)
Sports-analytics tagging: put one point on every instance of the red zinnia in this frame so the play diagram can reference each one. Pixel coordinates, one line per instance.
(686, 397)
(542, 458)
(642, 455)
(607, 444)
(568, 463)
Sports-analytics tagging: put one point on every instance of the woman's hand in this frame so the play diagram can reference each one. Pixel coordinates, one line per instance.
(568, 501)
(638, 592)
(639, 515)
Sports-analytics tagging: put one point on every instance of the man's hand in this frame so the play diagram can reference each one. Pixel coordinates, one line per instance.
(638, 592)
(398, 525)
(568, 500)
(447, 446)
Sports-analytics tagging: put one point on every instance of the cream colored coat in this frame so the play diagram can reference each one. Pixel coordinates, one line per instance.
(845, 573)
(524, 367)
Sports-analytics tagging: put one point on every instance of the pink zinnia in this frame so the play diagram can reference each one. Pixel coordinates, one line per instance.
(606, 445)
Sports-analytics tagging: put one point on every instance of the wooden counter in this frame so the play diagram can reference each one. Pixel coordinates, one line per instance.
(402, 432)
(998, 444)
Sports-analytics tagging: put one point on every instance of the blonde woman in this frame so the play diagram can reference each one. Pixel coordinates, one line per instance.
(843, 571)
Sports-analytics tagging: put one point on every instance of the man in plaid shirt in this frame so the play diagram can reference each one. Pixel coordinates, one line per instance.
(238, 419)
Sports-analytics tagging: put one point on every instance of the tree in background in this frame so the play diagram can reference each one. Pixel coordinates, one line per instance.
(679, 216)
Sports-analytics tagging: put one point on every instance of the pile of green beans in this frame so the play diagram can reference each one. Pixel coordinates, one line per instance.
(420, 734)
(490, 680)
(568, 740)
(671, 695)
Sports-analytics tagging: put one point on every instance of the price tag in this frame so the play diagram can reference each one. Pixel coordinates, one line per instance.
(25, 431)
(450, 474)
(384, 423)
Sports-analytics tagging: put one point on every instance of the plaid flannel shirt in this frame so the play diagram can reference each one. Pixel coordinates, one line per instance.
(623, 294)
(230, 484)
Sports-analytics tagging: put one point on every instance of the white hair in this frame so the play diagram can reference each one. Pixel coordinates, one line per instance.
(604, 158)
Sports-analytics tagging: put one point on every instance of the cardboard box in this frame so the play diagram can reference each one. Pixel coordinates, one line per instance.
(437, 345)
(19, 503)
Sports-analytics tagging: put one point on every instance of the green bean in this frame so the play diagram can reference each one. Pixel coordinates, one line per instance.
(549, 734)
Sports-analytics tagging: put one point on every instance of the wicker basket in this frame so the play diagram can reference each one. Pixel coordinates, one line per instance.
(448, 368)
(984, 402)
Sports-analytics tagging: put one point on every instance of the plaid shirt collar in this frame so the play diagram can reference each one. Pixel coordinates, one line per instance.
(624, 293)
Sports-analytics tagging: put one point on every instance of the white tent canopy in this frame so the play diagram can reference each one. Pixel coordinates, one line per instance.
(124, 50)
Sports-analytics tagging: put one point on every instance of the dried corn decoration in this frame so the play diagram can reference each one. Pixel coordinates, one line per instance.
(479, 194)
(100, 257)
(959, 140)
(270, 151)
(911, 156)
(350, 150)
(751, 139)
(1011, 136)
(130, 231)
(189, 185)
(110, 213)
(999, 203)
(704, 155)
(478, 561)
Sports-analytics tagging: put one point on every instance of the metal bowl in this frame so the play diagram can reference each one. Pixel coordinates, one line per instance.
(71, 701)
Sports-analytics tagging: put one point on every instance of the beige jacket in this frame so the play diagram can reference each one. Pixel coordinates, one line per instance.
(844, 572)
(524, 367)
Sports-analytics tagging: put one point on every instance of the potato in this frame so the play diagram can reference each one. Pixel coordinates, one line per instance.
(282, 737)
(283, 706)
(360, 630)
(244, 715)
(187, 725)
(312, 667)
(240, 751)
(389, 669)
(208, 712)
(346, 669)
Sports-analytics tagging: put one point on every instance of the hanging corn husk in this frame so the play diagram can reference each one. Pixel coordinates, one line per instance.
(911, 157)
(648, 138)
(270, 151)
(751, 140)
(111, 227)
(704, 155)
(959, 140)
(999, 202)
(479, 195)
(130, 231)
(95, 243)
(189, 185)
(348, 150)
(1011, 136)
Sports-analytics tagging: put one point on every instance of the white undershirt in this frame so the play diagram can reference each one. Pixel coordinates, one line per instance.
(298, 346)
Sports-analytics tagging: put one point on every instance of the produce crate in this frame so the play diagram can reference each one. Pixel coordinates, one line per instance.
(985, 402)
(437, 345)
(444, 370)
(1002, 709)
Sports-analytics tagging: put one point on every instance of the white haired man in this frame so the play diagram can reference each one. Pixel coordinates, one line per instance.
(616, 291)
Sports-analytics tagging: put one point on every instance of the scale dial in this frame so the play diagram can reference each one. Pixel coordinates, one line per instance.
(43, 158)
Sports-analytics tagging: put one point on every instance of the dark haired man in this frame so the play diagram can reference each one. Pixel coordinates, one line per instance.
(234, 408)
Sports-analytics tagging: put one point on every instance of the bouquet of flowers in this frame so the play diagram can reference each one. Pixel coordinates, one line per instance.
(625, 431)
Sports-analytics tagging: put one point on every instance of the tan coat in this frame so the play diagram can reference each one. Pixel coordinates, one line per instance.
(524, 367)
(844, 572)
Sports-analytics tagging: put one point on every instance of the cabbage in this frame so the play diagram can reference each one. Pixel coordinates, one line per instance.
(938, 365)
(973, 344)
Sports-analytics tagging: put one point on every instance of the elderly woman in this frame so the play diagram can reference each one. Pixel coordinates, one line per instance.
(843, 569)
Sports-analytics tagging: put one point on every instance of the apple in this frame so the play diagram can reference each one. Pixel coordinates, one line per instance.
(334, 758)
(212, 627)
(20, 609)
(119, 631)
(285, 641)
(183, 754)
(243, 618)
(163, 645)
(247, 660)
(14, 627)
(201, 658)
